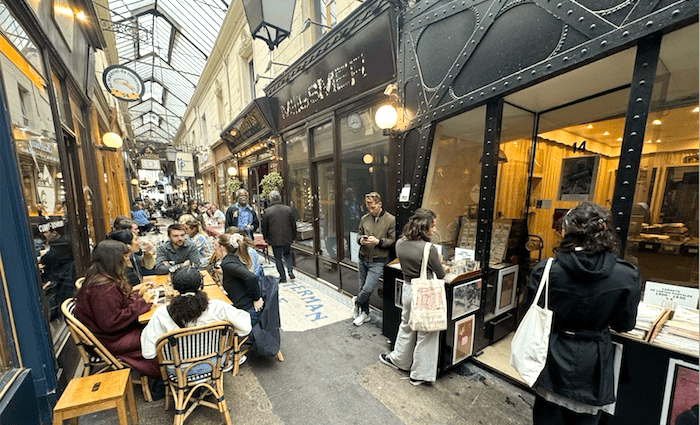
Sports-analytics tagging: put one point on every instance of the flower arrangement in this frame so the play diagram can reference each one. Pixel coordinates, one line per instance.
(271, 181)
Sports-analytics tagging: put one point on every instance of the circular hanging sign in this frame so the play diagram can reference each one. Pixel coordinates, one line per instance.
(123, 83)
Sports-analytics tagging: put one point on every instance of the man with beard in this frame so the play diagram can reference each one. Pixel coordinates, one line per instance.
(241, 214)
(176, 252)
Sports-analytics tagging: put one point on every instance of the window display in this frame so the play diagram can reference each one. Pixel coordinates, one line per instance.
(300, 186)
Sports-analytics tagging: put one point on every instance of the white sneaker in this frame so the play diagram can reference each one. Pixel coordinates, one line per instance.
(355, 308)
(362, 318)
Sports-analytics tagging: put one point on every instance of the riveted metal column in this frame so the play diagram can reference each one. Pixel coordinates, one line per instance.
(412, 167)
(489, 170)
(633, 137)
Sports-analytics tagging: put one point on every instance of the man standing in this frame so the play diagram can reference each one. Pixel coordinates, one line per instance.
(241, 214)
(279, 228)
(176, 251)
(376, 234)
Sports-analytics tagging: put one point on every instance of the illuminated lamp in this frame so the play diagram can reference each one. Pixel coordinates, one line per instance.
(112, 140)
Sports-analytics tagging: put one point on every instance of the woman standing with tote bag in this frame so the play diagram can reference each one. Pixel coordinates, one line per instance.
(415, 351)
(590, 290)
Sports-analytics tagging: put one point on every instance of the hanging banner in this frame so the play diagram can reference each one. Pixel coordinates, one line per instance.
(184, 165)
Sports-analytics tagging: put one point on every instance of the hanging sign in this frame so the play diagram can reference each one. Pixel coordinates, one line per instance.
(184, 165)
(123, 83)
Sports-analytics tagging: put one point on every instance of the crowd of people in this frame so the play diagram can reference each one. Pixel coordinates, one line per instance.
(586, 275)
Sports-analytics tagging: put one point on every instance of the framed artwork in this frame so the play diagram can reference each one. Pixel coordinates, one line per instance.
(681, 392)
(505, 290)
(398, 292)
(463, 339)
(466, 297)
(578, 178)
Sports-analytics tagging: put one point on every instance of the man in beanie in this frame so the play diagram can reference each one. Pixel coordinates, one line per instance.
(279, 228)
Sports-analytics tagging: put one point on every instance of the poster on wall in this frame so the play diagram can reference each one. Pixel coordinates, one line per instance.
(505, 291)
(463, 339)
(680, 394)
(398, 293)
(466, 298)
(578, 177)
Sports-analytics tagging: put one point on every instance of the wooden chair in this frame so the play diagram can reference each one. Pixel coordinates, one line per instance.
(96, 358)
(79, 283)
(193, 358)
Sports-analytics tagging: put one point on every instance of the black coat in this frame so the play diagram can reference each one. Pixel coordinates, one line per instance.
(278, 225)
(588, 294)
(266, 332)
(240, 284)
(232, 219)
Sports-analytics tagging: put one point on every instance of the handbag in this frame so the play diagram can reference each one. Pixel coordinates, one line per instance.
(428, 302)
(530, 344)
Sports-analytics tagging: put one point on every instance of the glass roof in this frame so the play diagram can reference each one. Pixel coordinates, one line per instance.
(169, 48)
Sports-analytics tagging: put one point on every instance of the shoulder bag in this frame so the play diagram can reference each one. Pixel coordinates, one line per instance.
(428, 302)
(530, 344)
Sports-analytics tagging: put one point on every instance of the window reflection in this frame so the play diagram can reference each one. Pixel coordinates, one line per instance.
(300, 186)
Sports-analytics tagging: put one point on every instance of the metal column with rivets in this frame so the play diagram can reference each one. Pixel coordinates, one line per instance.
(489, 171)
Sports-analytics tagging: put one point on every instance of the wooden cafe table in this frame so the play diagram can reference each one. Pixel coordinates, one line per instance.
(212, 290)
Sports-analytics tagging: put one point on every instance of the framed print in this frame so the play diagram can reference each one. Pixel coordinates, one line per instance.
(398, 292)
(578, 177)
(466, 297)
(505, 290)
(681, 392)
(463, 339)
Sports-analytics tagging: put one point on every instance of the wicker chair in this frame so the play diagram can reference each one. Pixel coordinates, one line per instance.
(96, 358)
(194, 358)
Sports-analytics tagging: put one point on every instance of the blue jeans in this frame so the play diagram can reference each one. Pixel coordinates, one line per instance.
(368, 274)
(279, 252)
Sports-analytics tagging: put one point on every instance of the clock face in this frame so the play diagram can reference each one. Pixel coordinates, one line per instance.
(354, 122)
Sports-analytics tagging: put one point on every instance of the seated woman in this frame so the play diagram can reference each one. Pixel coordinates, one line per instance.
(239, 281)
(137, 258)
(110, 308)
(190, 308)
(193, 232)
(254, 264)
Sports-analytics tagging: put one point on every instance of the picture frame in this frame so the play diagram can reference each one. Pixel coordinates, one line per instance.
(466, 298)
(398, 292)
(506, 289)
(463, 343)
(578, 178)
(681, 390)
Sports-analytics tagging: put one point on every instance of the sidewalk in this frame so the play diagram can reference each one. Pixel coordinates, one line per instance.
(331, 374)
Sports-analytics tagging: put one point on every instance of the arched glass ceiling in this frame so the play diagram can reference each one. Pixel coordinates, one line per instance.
(168, 50)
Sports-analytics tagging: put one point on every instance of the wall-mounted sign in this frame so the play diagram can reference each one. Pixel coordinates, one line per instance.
(253, 123)
(184, 165)
(150, 164)
(123, 83)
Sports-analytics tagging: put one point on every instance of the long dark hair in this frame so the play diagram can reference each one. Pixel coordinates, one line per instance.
(191, 303)
(124, 236)
(108, 260)
(588, 226)
(418, 225)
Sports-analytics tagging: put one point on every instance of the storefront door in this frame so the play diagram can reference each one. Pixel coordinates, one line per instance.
(325, 220)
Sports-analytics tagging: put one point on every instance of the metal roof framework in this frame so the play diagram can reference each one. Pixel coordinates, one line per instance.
(167, 43)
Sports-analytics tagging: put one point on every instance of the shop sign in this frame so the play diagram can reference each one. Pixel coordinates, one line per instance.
(150, 164)
(123, 83)
(184, 165)
(204, 161)
(253, 123)
(363, 62)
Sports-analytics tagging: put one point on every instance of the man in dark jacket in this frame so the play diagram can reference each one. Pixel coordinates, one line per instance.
(279, 228)
(241, 214)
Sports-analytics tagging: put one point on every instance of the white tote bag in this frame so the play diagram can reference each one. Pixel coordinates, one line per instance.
(530, 344)
(428, 302)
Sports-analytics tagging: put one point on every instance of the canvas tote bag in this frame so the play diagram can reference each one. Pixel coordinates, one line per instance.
(428, 302)
(530, 344)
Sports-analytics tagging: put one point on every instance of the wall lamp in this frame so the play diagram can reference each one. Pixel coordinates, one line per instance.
(270, 63)
(258, 77)
(307, 24)
(386, 116)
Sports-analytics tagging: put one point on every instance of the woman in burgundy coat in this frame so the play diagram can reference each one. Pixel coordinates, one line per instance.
(110, 308)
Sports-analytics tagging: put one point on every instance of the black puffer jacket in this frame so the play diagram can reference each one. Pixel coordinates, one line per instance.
(588, 294)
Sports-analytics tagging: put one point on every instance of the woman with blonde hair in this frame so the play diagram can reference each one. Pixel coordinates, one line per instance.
(238, 281)
(193, 230)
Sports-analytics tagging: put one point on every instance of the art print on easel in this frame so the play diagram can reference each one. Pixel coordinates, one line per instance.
(578, 178)
(506, 289)
(463, 343)
(466, 298)
(681, 393)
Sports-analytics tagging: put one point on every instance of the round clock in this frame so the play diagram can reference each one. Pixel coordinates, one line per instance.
(354, 121)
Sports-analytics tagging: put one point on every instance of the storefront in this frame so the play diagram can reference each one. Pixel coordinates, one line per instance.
(49, 182)
(324, 106)
(530, 109)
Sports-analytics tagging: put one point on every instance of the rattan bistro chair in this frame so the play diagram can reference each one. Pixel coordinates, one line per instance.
(197, 357)
(96, 358)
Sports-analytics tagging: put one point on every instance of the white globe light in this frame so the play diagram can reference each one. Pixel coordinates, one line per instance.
(386, 117)
(232, 171)
(112, 140)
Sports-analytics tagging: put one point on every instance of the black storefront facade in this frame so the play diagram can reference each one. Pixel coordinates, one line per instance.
(334, 153)
(514, 112)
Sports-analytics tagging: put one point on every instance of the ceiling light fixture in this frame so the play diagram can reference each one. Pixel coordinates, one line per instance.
(656, 122)
(590, 126)
(696, 109)
(606, 133)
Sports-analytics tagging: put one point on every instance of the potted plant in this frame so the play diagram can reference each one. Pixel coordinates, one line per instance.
(271, 181)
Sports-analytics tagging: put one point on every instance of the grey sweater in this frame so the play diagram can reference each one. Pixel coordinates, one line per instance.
(410, 255)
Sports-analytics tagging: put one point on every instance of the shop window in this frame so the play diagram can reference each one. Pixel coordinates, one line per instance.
(328, 13)
(366, 166)
(663, 232)
(300, 186)
(452, 185)
(322, 137)
(576, 159)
